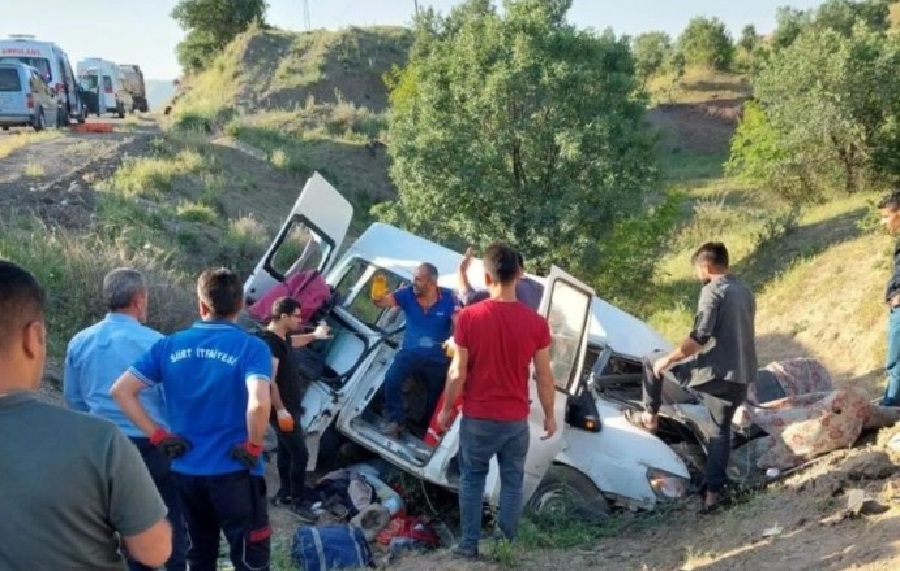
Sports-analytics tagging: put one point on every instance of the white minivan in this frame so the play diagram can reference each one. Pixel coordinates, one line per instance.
(106, 82)
(25, 98)
(53, 63)
(595, 461)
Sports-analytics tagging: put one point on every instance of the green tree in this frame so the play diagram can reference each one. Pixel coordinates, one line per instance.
(837, 15)
(211, 25)
(651, 50)
(520, 127)
(827, 115)
(749, 38)
(706, 42)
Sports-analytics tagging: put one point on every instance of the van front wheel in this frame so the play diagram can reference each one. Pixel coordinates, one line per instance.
(567, 493)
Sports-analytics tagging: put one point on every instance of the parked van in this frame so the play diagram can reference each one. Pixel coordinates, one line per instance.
(134, 83)
(105, 79)
(53, 64)
(25, 98)
(596, 460)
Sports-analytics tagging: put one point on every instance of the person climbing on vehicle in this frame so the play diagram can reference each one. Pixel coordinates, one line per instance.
(287, 403)
(723, 345)
(429, 312)
(497, 340)
(95, 358)
(528, 291)
(889, 209)
(73, 490)
(215, 379)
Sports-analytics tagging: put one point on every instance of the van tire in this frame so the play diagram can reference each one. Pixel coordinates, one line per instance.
(40, 122)
(567, 493)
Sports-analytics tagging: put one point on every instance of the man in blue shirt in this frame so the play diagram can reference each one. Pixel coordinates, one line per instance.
(429, 312)
(216, 381)
(96, 357)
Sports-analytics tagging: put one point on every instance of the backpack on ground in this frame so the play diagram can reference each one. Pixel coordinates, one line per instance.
(330, 547)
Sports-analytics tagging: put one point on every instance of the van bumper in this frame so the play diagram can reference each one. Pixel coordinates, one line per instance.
(15, 119)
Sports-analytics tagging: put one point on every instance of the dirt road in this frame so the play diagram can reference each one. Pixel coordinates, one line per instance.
(50, 175)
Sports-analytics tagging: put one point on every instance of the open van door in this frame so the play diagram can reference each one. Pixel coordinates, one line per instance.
(566, 304)
(309, 239)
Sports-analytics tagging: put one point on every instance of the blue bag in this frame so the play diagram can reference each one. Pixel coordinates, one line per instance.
(330, 547)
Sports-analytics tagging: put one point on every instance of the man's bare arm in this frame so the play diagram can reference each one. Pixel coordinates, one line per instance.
(152, 547)
(546, 387)
(688, 348)
(275, 393)
(125, 392)
(456, 378)
(386, 301)
(259, 403)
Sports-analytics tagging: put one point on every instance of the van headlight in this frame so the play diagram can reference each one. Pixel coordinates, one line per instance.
(665, 484)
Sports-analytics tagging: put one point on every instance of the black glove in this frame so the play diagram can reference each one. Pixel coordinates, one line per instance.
(170, 444)
(246, 453)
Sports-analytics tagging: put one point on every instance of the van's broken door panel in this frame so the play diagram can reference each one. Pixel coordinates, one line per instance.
(309, 239)
(566, 304)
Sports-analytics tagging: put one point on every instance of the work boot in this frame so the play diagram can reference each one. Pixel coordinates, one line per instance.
(393, 430)
(280, 500)
(469, 553)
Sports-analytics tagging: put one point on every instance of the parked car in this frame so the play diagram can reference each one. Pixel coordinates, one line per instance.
(596, 460)
(25, 98)
(53, 64)
(106, 80)
(134, 84)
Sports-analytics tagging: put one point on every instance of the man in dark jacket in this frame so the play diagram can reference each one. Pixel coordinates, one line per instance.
(723, 345)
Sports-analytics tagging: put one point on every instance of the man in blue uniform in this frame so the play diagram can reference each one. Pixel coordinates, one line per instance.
(429, 311)
(96, 357)
(215, 379)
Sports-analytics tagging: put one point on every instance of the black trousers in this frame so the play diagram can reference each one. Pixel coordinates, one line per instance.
(721, 399)
(293, 456)
(232, 503)
(159, 467)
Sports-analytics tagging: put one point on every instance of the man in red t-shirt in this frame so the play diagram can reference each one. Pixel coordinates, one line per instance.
(497, 340)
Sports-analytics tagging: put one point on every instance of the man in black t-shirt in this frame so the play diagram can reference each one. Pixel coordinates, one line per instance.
(287, 403)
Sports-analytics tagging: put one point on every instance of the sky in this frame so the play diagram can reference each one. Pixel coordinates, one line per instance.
(142, 32)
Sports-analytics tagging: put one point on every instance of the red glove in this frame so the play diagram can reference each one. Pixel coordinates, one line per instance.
(246, 453)
(171, 445)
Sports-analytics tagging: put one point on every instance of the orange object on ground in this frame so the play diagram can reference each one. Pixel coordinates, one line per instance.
(92, 127)
(433, 436)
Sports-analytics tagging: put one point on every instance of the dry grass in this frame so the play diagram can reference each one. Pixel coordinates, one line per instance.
(34, 170)
(698, 85)
(11, 141)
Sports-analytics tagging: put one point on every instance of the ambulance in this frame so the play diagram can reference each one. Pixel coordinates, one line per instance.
(53, 63)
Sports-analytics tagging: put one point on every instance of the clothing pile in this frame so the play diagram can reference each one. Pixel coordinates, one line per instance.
(811, 417)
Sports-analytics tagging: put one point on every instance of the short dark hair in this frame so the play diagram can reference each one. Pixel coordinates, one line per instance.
(712, 253)
(502, 263)
(891, 201)
(521, 259)
(431, 269)
(221, 290)
(284, 305)
(22, 301)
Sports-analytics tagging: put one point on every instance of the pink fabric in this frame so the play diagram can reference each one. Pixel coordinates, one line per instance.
(262, 309)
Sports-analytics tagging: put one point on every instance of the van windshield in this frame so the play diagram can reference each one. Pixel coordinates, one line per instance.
(354, 287)
(9, 80)
(39, 63)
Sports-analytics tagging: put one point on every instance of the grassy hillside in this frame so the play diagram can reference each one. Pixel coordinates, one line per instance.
(309, 100)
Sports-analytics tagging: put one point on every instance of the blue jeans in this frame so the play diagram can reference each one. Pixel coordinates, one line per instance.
(479, 441)
(892, 391)
(158, 466)
(406, 364)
